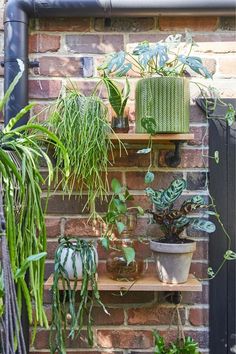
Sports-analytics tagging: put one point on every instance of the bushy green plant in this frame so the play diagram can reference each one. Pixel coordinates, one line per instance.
(173, 221)
(81, 123)
(179, 346)
(65, 314)
(169, 57)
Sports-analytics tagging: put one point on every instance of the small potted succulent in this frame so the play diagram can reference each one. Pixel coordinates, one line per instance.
(163, 92)
(120, 219)
(173, 252)
(75, 259)
(118, 98)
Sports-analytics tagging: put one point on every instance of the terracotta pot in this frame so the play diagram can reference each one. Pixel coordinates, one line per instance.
(173, 260)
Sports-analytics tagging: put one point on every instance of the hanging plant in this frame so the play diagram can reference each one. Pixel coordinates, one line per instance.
(65, 313)
(81, 124)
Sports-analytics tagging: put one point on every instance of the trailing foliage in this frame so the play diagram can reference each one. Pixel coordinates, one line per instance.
(173, 221)
(21, 151)
(116, 214)
(65, 314)
(161, 59)
(81, 124)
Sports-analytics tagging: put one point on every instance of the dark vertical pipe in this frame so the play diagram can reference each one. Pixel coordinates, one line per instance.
(15, 47)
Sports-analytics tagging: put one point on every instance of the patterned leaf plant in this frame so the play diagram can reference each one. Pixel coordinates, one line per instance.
(174, 221)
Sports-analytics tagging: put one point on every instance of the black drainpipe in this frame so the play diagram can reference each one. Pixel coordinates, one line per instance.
(18, 13)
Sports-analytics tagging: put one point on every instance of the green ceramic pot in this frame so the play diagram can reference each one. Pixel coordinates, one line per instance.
(167, 100)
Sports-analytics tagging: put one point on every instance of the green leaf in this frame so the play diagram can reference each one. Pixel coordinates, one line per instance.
(144, 151)
(203, 225)
(129, 254)
(149, 124)
(35, 257)
(217, 156)
(114, 95)
(120, 226)
(230, 255)
(149, 177)
(195, 63)
(116, 186)
(230, 115)
(140, 210)
(105, 243)
(173, 191)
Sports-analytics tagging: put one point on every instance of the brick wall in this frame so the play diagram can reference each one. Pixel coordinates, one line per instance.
(71, 49)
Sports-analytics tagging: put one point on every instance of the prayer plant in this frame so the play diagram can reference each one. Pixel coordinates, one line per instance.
(69, 317)
(174, 221)
(22, 149)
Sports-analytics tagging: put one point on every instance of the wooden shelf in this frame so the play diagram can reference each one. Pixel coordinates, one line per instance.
(158, 138)
(148, 282)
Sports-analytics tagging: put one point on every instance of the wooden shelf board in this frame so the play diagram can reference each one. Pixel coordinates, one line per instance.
(158, 138)
(148, 282)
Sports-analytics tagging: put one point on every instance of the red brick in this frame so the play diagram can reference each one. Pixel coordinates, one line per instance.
(44, 88)
(115, 318)
(218, 42)
(155, 315)
(151, 37)
(199, 270)
(41, 111)
(41, 43)
(130, 297)
(127, 24)
(64, 205)
(189, 159)
(201, 251)
(53, 227)
(196, 114)
(130, 158)
(42, 340)
(94, 44)
(192, 23)
(227, 66)
(135, 180)
(82, 227)
(199, 316)
(65, 24)
(228, 23)
(127, 339)
(66, 66)
(200, 136)
(201, 297)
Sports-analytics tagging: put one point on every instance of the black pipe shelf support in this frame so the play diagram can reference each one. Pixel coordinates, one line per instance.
(173, 158)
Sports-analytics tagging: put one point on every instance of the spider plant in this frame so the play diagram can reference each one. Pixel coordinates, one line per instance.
(21, 151)
(81, 124)
(65, 314)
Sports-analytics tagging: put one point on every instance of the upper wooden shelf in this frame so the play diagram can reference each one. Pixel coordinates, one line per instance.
(148, 282)
(158, 138)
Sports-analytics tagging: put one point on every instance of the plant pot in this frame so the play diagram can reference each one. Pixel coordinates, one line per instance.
(130, 222)
(167, 100)
(120, 124)
(173, 260)
(68, 265)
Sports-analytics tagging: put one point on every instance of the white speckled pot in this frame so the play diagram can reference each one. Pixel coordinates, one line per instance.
(173, 260)
(78, 263)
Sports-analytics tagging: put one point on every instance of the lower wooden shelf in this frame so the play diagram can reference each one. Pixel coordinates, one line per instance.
(148, 282)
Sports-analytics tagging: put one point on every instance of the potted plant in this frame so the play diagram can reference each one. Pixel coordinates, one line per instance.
(74, 259)
(163, 92)
(120, 222)
(173, 252)
(180, 346)
(22, 149)
(118, 99)
(81, 123)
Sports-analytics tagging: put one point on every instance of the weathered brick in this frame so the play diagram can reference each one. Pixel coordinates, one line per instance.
(65, 24)
(218, 42)
(64, 205)
(66, 66)
(82, 227)
(199, 270)
(227, 66)
(116, 316)
(42, 340)
(44, 89)
(53, 227)
(127, 339)
(130, 158)
(155, 315)
(200, 136)
(129, 297)
(196, 181)
(227, 23)
(41, 43)
(199, 316)
(94, 43)
(151, 37)
(41, 111)
(189, 158)
(197, 115)
(201, 252)
(127, 24)
(135, 180)
(192, 23)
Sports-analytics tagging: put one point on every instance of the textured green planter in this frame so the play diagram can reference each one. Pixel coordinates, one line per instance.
(167, 100)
